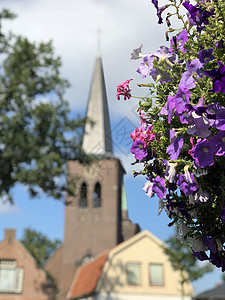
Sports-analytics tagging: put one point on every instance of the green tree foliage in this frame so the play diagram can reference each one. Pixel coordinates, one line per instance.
(181, 258)
(39, 245)
(37, 134)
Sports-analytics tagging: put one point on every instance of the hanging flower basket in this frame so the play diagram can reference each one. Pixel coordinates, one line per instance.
(180, 144)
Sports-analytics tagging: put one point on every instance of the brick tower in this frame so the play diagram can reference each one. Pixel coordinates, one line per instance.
(96, 218)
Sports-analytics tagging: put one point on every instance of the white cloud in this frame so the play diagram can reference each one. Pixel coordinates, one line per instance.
(73, 26)
(8, 208)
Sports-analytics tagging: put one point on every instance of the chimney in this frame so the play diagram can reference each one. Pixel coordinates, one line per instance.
(10, 234)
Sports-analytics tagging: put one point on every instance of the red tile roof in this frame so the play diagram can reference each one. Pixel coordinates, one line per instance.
(87, 276)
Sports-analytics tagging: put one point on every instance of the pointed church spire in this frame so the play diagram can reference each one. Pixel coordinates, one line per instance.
(97, 138)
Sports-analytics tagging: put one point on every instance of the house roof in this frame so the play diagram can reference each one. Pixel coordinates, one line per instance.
(215, 293)
(87, 277)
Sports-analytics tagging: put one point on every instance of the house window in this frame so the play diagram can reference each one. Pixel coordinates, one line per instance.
(11, 277)
(97, 195)
(133, 273)
(83, 196)
(156, 274)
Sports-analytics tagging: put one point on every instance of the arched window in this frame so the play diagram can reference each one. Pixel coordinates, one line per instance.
(83, 195)
(97, 195)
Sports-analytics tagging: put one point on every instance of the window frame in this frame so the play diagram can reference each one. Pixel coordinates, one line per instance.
(138, 263)
(150, 275)
(16, 284)
(83, 189)
(97, 200)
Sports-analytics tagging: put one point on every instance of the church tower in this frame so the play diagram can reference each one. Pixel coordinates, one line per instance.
(96, 217)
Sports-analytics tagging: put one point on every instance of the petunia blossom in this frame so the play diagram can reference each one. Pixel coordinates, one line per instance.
(199, 197)
(201, 255)
(188, 78)
(175, 148)
(181, 39)
(203, 153)
(197, 15)
(181, 98)
(170, 171)
(159, 10)
(139, 149)
(218, 141)
(205, 55)
(223, 215)
(209, 243)
(187, 186)
(148, 189)
(159, 187)
(146, 65)
(218, 77)
(163, 54)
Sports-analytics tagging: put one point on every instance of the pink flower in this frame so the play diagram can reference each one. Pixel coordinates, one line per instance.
(123, 89)
(145, 134)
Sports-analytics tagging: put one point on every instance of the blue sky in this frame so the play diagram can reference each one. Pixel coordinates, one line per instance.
(73, 26)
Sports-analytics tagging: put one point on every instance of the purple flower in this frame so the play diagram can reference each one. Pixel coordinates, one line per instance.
(217, 112)
(146, 65)
(183, 210)
(203, 153)
(192, 72)
(187, 80)
(209, 243)
(159, 187)
(148, 189)
(215, 259)
(194, 67)
(205, 55)
(219, 44)
(163, 54)
(223, 215)
(170, 171)
(174, 148)
(181, 39)
(168, 109)
(201, 255)
(187, 185)
(159, 75)
(220, 119)
(180, 206)
(139, 149)
(197, 16)
(172, 135)
(218, 77)
(199, 197)
(181, 98)
(218, 141)
(199, 122)
(159, 10)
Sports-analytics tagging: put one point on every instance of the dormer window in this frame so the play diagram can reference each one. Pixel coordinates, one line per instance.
(11, 277)
(97, 195)
(83, 196)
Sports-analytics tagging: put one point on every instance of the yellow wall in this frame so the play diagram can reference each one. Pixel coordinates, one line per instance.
(146, 249)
